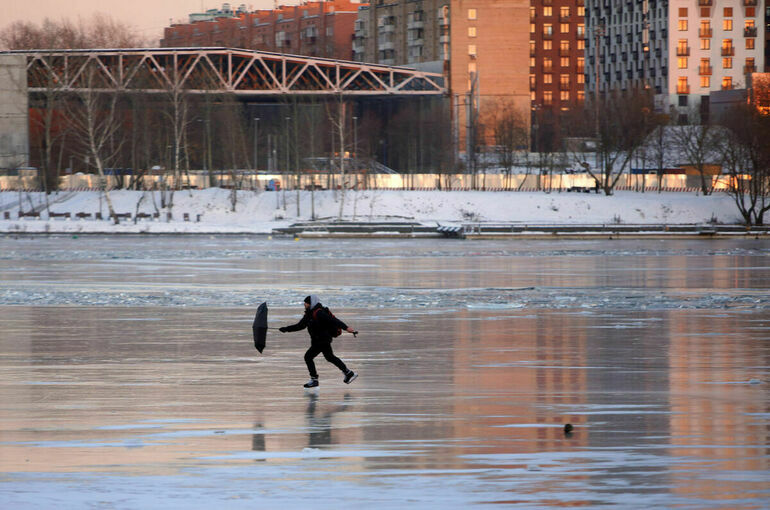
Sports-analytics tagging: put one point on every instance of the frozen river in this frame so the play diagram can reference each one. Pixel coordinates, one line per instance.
(128, 376)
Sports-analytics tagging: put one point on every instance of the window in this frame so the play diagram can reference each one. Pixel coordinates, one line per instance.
(531, 28)
(681, 85)
(547, 29)
(564, 96)
(728, 12)
(548, 44)
(750, 67)
(581, 63)
(581, 44)
(531, 48)
(750, 12)
(705, 44)
(547, 11)
(727, 24)
(564, 80)
(749, 43)
(547, 78)
(532, 13)
(682, 100)
(547, 64)
(472, 50)
(681, 63)
(683, 12)
(727, 83)
(705, 12)
(705, 82)
(564, 46)
(581, 96)
(532, 96)
(471, 31)
(531, 61)
(564, 28)
(471, 67)
(548, 97)
(471, 13)
(564, 61)
(682, 25)
(581, 78)
(727, 63)
(532, 83)
(581, 30)
(564, 12)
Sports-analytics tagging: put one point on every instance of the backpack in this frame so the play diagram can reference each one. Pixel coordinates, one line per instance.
(333, 330)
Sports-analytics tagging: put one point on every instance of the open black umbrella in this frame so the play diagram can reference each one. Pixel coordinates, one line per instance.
(260, 327)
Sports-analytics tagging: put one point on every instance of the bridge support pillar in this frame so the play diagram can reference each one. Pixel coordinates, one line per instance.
(14, 112)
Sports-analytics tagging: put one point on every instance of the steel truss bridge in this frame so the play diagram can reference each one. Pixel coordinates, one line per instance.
(244, 73)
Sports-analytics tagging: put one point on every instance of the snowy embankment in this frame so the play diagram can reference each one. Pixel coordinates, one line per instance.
(256, 212)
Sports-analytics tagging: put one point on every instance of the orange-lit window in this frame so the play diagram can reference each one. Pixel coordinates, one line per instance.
(727, 83)
(547, 97)
(564, 62)
(681, 63)
(682, 24)
(705, 44)
(564, 96)
(564, 28)
(705, 82)
(727, 24)
(471, 31)
(547, 78)
(727, 63)
(547, 11)
(471, 13)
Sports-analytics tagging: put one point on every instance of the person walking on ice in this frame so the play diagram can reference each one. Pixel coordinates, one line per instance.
(322, 326)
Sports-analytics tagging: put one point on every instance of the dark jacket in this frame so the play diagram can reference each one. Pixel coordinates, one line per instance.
(319, 324)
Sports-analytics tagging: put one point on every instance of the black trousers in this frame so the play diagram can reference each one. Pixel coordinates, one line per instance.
(326, 350)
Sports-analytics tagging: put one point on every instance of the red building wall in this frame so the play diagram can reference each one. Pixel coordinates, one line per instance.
(321, 29)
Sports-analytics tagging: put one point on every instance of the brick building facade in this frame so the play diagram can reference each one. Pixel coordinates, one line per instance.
(320, 29)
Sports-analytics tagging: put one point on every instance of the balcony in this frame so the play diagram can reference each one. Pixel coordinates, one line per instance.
(705, 70)
(705, 3)
(750, 3)
(548, 34)
(564, 19)
(444, 39)
(750, 32)
(415, 24)
(682, 51)
(564, 86)
(415, 42)
(749, 69)
(682, 89)
(728, 51)
(564, 52)
(386, 28)
(706, 32)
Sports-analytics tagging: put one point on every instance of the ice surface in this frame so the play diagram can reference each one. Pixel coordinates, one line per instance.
(128, 377)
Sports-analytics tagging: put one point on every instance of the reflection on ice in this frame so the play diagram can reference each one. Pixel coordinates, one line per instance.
(128, 374)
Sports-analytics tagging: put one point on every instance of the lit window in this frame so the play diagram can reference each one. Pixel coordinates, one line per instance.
(532, 62)
(564, 80)
(547, 78)
(581, 11)
(681, 63)
(471, 31)
(727, 24)
(682, 25)
(564, 12)
(750, 67)
(564, 61)
(727, 83)
(682, 86)
(547, 11)
(472, 50)
(471, 13)
(547, 64)
(547, 97)
(581, 78)
(705, 82)
(705, 44)
(547, 29)
(531, 28)
(548, 45)
(564, 95)
(581, 44)
(532, 96)
(581, 95)
(564, 28)
(727, 63)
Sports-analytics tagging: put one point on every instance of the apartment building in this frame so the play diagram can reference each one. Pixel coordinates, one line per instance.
(481, 46)
(681, 49)
(320, 28)
(402, 32)
(556, 62)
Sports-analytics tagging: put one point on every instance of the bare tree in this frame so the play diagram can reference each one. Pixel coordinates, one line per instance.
(698, 143)
(746, 157)
(511, 136)
(657, 146)
(99, 31)
(96, 119)
(623, 126)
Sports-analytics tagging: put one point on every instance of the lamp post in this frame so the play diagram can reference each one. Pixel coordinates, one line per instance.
(355, 143)
(256, 149)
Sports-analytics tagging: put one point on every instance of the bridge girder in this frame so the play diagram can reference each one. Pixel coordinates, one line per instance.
(220, 70)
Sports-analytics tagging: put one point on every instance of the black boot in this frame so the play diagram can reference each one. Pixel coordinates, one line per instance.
(312, 383)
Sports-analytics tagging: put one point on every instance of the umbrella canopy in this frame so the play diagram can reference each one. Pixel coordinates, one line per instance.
(260, 327)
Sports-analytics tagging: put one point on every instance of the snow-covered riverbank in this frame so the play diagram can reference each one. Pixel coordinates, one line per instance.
(260, 212)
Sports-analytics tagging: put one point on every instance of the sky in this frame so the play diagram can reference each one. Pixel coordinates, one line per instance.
(149, 17)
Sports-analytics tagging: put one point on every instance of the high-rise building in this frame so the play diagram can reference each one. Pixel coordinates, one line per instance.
(681, 49)
(556, 64)
(480, 45)
(319, 28)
